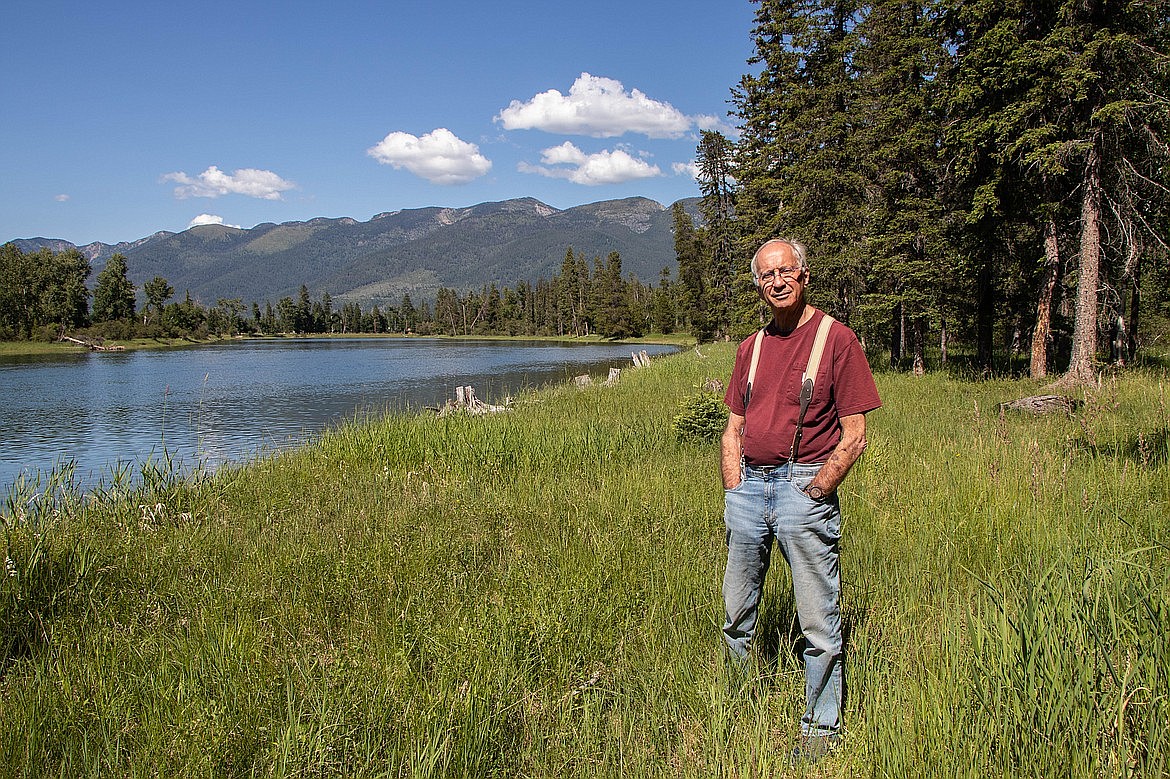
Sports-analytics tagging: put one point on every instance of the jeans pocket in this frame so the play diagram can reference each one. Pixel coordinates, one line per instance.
(736, 488)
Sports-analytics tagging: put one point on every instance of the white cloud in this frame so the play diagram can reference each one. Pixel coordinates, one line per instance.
(605, 167)
(710, 122)
(440, 156)
(213, 182)
(62, 198)
(686, 169)
(208, 219)
(597, 107)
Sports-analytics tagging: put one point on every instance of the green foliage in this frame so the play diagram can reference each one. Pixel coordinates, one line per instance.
(43, 291)
(113, 295)
(695, 306)
(702, 417)
(158, 291)
(943, 160)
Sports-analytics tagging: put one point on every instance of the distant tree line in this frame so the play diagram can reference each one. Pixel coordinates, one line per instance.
(991, 176)
(44, 295)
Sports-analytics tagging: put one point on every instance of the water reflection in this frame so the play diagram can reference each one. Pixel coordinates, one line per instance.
(229, 401)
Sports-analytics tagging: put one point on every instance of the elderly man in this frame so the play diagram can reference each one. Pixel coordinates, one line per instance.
(790, 440)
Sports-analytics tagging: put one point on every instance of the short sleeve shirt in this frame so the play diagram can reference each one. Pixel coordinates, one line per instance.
(844, 386)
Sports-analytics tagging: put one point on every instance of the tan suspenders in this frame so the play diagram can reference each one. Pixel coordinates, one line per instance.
(808, 380)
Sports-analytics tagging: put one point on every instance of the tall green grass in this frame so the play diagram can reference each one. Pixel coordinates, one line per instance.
(536, 593)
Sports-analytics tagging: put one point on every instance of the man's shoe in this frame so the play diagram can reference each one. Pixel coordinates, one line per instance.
(810, 749)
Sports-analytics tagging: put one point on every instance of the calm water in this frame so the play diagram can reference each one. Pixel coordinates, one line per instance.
(225, 402)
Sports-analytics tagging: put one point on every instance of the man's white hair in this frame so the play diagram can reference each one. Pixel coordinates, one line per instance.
(799, 251)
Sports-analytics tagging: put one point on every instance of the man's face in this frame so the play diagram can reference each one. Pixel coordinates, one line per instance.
(782, 280)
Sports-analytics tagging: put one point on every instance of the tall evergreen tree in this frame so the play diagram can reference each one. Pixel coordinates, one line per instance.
(693, 302)
(717, 238)
(899, 59)
(662, 304)
(1063, 103)
(797, 159)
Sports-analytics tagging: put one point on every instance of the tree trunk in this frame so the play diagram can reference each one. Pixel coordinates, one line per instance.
(942, 341)
(1081, 365)
(985, 312)
(919, 339)
(897, 337)
(1135, 302)
(1043, 329)
(1117, 346)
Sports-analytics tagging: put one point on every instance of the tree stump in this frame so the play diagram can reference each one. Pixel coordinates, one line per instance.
(1042, 404)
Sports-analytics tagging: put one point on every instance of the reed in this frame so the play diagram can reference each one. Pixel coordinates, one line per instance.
(536, 593)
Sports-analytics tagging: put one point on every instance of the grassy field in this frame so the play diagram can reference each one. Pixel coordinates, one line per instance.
(536, 594)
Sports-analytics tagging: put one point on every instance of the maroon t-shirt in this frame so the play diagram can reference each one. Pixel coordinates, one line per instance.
(844, 386)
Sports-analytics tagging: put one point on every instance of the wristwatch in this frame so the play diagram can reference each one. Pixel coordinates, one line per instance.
(816, 493)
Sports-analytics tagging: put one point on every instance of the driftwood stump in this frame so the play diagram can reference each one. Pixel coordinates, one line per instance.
(466, 402)
(641, 359)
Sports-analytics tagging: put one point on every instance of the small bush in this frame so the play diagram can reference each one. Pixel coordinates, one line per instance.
(701, 418)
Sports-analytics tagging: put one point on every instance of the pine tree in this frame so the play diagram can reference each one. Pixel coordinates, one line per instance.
(1062, 103)
(899, 58)
(797, 159)
(693, 303)
(662, 305)
(717, 238)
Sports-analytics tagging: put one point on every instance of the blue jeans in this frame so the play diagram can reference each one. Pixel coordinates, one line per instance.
(771, 505)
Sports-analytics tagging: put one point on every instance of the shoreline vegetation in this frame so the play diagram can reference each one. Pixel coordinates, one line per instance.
(32, 348)
(537, 594)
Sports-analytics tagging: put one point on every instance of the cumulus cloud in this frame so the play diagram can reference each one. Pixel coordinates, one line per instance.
(604, 167)
(710, 122)
(686, 169)
(213, 182)
(440, 156)
(597, 107)
(62, 198)
(208, 219)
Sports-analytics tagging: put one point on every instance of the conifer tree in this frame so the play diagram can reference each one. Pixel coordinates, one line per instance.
(899, 58)
(693, 303)
(797, 160)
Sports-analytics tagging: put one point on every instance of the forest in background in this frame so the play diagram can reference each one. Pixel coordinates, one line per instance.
(983, 174)
(43, 295)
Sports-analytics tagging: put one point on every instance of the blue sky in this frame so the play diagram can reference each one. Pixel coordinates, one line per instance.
(123, 118)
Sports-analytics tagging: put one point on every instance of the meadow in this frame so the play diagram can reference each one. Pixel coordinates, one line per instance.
(536, 594)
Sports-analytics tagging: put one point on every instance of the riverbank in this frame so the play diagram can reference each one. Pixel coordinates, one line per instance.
(537, 594)
(33, 348)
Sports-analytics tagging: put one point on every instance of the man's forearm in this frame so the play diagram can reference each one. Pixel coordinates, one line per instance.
(731, 452)
(847, 452)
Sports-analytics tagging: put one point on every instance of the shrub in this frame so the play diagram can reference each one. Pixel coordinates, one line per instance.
(701, 417)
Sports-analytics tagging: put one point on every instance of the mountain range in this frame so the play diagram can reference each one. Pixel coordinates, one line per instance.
(412, 251)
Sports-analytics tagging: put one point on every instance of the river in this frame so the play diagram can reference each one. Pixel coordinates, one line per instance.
(229, 401)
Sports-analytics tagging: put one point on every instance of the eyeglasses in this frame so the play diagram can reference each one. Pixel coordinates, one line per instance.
(787, 272)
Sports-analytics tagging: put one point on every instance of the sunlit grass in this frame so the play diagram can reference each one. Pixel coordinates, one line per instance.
(536, 593)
